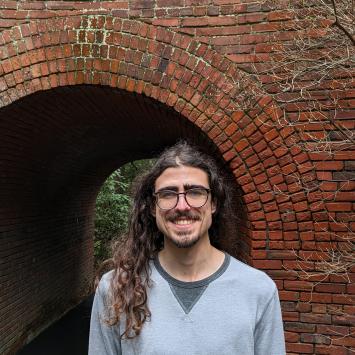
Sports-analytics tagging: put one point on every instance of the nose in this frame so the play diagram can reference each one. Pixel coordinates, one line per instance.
(182, 204)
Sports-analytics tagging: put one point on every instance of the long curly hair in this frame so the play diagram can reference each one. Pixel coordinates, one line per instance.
(131, 257)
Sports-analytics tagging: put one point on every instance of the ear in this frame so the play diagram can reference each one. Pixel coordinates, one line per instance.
(213, 206)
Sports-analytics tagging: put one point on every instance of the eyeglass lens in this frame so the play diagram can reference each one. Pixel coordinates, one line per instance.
(194, 198)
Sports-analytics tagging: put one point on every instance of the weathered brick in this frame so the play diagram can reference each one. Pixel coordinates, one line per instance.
(299, 327)
(315, 339)
(300, 348)
(266, 159)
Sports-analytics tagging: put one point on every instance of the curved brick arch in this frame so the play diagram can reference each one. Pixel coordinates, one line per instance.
(195, 81)
(173, 69)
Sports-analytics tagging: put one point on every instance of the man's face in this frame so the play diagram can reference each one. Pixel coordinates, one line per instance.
(183, 225)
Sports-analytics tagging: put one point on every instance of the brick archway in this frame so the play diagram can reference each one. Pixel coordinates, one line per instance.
(197, 85)
(171, 68)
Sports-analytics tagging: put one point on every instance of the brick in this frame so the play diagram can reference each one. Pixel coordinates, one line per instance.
(167, 22)
(267, 264)
(330, 350)
(291, 337)
(343, 299)
(333, 330)
(299, 327)
(329, 165)
(339, 206)
(315, 339)
(330, 288)
(347, 341)
(298, 285)
(346, 319)
(343, 175)
(282, 274)
(316, 318)
(290, 316)
(280, 15)
(300, 348)
(304, 307)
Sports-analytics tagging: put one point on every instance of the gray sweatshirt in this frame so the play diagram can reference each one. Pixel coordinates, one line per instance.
(238, 312)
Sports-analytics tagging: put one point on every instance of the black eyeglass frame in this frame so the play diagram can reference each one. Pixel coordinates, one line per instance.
(155, 194)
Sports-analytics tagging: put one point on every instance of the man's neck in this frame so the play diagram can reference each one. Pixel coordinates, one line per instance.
(191, 264)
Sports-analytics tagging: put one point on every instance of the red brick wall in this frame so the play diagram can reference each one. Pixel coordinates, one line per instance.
(67, 73)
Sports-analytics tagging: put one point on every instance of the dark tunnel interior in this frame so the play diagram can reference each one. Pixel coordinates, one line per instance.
(57, 147)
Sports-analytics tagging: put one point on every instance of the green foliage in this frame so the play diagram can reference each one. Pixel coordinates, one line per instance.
(113, 205)
(133, 169)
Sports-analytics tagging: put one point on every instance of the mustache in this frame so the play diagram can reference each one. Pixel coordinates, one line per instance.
(178, 214)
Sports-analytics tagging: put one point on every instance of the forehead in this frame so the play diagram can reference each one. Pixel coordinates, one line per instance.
(181, 176)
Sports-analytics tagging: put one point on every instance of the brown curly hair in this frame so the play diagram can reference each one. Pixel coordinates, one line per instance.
(131, 258)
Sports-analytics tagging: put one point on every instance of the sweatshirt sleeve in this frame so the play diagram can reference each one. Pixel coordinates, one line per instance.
(269, 333)
(103, 339)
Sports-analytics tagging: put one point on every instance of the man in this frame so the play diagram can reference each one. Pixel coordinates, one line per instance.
(172, 291)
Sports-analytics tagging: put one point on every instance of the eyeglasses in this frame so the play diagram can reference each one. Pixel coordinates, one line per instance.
(195, 197)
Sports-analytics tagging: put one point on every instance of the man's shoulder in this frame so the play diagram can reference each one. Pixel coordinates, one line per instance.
(249, 276)
(105, 282)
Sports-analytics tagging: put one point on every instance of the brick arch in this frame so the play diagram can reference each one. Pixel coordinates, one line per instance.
(192, 80)
(170, 67)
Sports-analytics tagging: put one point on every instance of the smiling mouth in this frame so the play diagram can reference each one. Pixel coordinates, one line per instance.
(183, 219)
(182, 222)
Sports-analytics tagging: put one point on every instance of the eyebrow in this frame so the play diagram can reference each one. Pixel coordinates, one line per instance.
(186, 187)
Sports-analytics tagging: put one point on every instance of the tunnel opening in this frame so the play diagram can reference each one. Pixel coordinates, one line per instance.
(112, 208)
(57, 148)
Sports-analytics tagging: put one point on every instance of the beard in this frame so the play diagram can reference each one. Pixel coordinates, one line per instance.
(185, 240)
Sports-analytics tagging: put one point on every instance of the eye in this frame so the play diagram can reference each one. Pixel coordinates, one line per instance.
(196, 193)
(167, 194)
